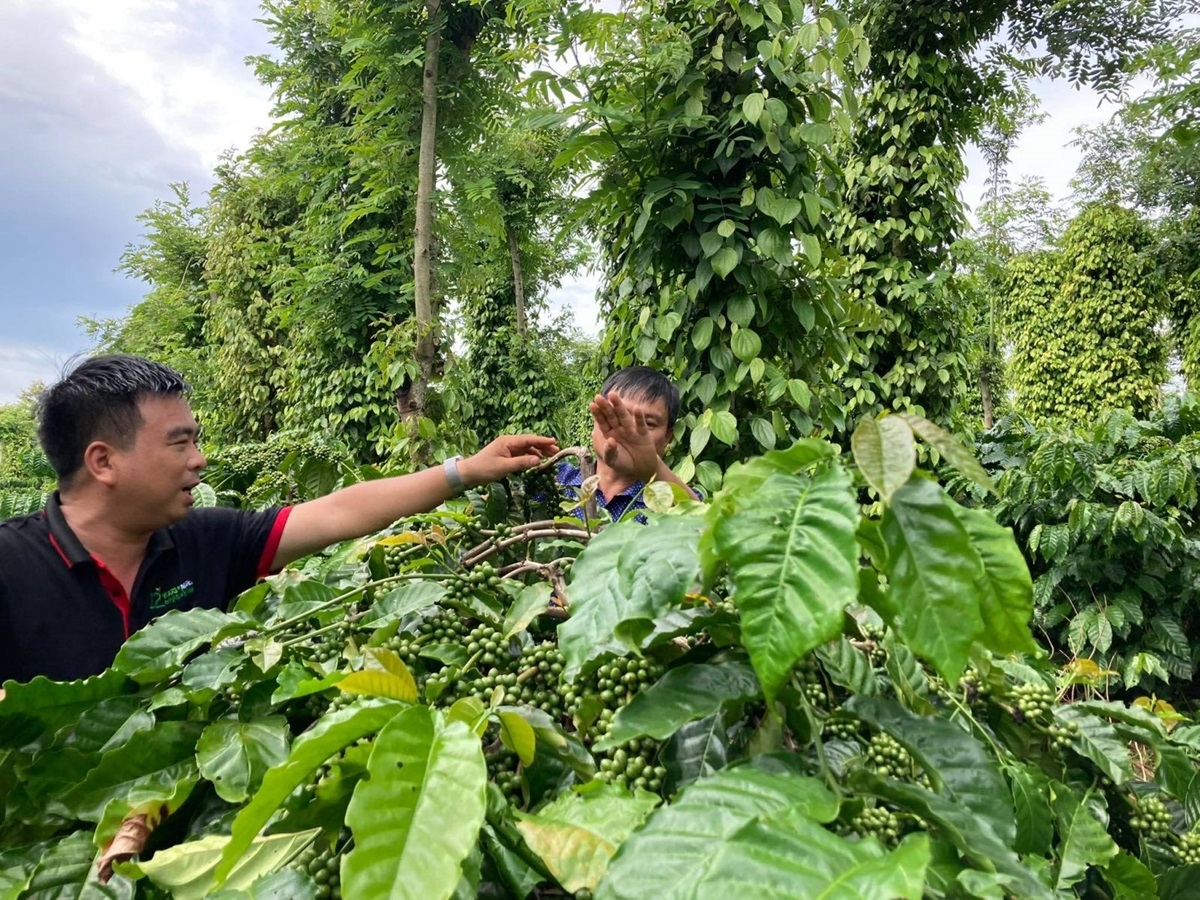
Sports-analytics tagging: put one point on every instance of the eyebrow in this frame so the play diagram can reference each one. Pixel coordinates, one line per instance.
(183, 431)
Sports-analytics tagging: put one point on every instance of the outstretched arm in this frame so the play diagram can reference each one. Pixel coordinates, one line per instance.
(624, 433)
(364, 508)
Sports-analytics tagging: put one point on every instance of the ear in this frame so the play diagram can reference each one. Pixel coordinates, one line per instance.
(98, 462)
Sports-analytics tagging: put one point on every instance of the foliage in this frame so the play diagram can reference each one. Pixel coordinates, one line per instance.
(25, 473)
(1107, 518)
(285, 469)
(168, 324)
(413, 717)
(513, 383)
(1083, 321)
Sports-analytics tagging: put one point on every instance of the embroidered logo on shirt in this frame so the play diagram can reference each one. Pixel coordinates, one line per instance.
(161, 599)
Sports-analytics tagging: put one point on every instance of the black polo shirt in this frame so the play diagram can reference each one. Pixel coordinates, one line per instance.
(63, 614)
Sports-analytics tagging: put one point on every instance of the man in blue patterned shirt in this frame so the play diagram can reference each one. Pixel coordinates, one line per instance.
(634, 418)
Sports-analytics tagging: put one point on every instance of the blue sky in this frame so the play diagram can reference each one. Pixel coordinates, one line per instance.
(104, 103)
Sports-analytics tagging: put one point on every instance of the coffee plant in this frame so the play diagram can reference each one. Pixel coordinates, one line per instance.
(1107, 520)
(821, 683)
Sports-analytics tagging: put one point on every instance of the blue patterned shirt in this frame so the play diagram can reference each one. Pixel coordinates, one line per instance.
(570, 478)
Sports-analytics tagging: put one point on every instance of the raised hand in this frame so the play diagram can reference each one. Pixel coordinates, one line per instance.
(624, 441)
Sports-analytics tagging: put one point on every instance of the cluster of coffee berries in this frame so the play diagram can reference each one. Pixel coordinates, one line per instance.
(1062, 735)
(1187, 851)
(1030, 701)
(1151, 818)
(482, 577)
(840, 727)
(632, 765)
(395, 555)
(888, 758)
(614, 684)
(323, 865)
(503, 770)
(877, 822)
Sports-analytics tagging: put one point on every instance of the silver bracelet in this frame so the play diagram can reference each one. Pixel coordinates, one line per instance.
(450, 467)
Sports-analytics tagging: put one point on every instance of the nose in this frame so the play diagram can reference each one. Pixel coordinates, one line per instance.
(199, 462)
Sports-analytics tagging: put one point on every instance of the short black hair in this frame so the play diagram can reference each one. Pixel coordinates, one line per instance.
(645, 384)
(98, 400)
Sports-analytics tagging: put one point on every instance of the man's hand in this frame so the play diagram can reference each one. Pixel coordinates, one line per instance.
(626, 442)
(506, 455)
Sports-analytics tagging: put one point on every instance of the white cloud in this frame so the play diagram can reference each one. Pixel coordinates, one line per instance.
(196, 94)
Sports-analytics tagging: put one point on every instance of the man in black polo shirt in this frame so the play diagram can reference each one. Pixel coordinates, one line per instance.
(119, 544)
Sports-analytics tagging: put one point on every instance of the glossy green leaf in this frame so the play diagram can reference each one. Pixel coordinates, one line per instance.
(811, 245)
(41, 706)
(417, 816)
(763, 430)
(235, 755)
(793, 564)
(157, 651)
(1180, 883)
(885, 453)
(517, 735)
(1083, 841)
(748, 832)
(1129, 878)
(745, 477)
(724, 427)
(958, 766)
(973, 837)
(907, 675)
(286, 884)
(746, 345)
(161, 756)
(532, 602)
(1005, 589)
(628, 572)
(724, 261)
(331, 734)
(552, 740)
(1097, 741)
(697, 750)
(577, 833)
(186, 870)
(406, 598)
(213, 670)
(67, 870)
(848, 667)
(1031, 801)
(932, 570)
(682, 695)
(752, 106)
(711, 242)
(952, 450)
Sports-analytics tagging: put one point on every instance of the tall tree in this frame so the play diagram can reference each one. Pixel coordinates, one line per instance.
(710, 125)
(1083, 321)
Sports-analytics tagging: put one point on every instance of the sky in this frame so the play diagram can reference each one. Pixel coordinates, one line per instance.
(103, 105)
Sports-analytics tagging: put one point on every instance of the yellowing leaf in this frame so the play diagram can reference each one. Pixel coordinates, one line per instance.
(658, 496)
(406, 537)
(380, 684)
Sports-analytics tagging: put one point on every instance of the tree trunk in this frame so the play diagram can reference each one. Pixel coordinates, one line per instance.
(985, 390)
(514, 253)
(426, 350)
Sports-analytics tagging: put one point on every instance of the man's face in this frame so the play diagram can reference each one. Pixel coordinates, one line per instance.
(658, 432)
(157, 471)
